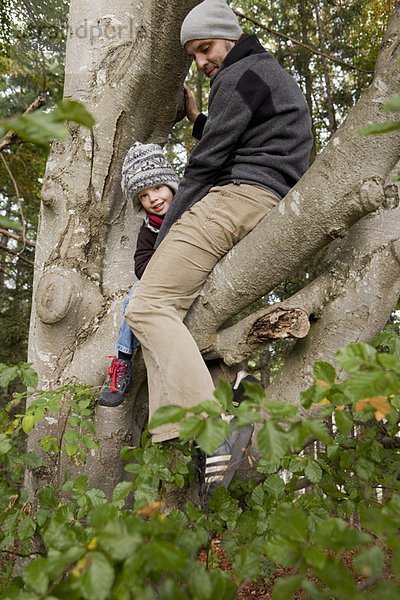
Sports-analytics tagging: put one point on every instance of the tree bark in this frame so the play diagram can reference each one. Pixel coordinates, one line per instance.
(128, 68)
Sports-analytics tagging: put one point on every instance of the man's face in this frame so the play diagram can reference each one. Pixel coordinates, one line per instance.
(209, 54)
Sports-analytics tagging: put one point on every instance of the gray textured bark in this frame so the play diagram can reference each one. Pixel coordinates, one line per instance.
(87, 232)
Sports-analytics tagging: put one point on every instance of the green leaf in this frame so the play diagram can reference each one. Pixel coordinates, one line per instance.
(163, 557)
(223, 587)
(26, 527)
(210, 407)
(28, 423)
(212, 434)
(291, 522)
(98, 578)
(354, 356)
(365, 469)
(318, 430)
(7, 223)
(280, 410)
(312, 395)
(5, 444)
(344, 422)
(40, 127)
(35, 576)
(370, 562)
(122, 490)
(286, 587)
(72, 110)
(272, 442)
(254, 392)
(336, 534)
(283, 552)
(37, 127)
(323, 371)
(386, 590)
(274, 486)
(96, 497)
(313, 471)
(28, 375)
(7, 374)
(393, 104)
(366, 384)
(167, 414)
(224, 394)
(117, 541)
(315, 556)
(389, 340)
(190, 427)
(379, 128)
(200, 584)
(339, 580)
(247, 562)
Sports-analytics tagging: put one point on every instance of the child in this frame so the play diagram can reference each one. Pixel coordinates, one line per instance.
(149, 180)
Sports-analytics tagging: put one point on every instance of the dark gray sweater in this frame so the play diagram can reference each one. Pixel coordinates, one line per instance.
(258, 130)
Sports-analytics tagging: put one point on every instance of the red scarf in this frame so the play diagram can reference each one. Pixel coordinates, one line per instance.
(155, 221)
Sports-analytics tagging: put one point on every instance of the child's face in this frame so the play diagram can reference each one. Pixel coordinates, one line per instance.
(156, 200)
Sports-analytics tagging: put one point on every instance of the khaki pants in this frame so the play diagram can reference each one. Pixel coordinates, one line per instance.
(176, 371)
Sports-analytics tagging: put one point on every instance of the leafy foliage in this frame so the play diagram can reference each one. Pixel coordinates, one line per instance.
(32, 43)
(42, 127)
(304, 512)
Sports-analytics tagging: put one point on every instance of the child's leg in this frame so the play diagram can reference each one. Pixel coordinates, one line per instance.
(119, 374)
(127, 343)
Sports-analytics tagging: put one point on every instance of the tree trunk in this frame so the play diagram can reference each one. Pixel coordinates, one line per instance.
(128, 68)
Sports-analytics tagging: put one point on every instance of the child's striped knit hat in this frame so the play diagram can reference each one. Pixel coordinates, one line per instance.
(146, 166)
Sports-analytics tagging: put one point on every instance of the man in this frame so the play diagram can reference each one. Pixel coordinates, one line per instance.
(255, 145)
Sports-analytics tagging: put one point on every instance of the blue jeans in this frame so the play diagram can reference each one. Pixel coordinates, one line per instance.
(126, 341)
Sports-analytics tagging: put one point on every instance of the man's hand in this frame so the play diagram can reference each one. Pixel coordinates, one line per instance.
(192, 112)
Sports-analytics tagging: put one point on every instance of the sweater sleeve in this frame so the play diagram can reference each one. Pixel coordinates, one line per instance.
(229, 116)
(198, 126)
(144, 250)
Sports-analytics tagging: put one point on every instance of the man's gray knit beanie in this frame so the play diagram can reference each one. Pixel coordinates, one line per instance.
(146, 166)
(212, 19)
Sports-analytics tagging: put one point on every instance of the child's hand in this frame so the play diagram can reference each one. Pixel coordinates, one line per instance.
(192, 112)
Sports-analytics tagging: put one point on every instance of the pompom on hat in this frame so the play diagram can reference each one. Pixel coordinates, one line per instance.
(211, 19)
(146, 166)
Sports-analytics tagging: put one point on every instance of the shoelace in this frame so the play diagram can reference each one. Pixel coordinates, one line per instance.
(115, 371)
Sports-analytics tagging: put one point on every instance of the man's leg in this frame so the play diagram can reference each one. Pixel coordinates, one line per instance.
(176, 371)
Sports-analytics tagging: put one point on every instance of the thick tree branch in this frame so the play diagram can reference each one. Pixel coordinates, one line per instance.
(286, 319)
